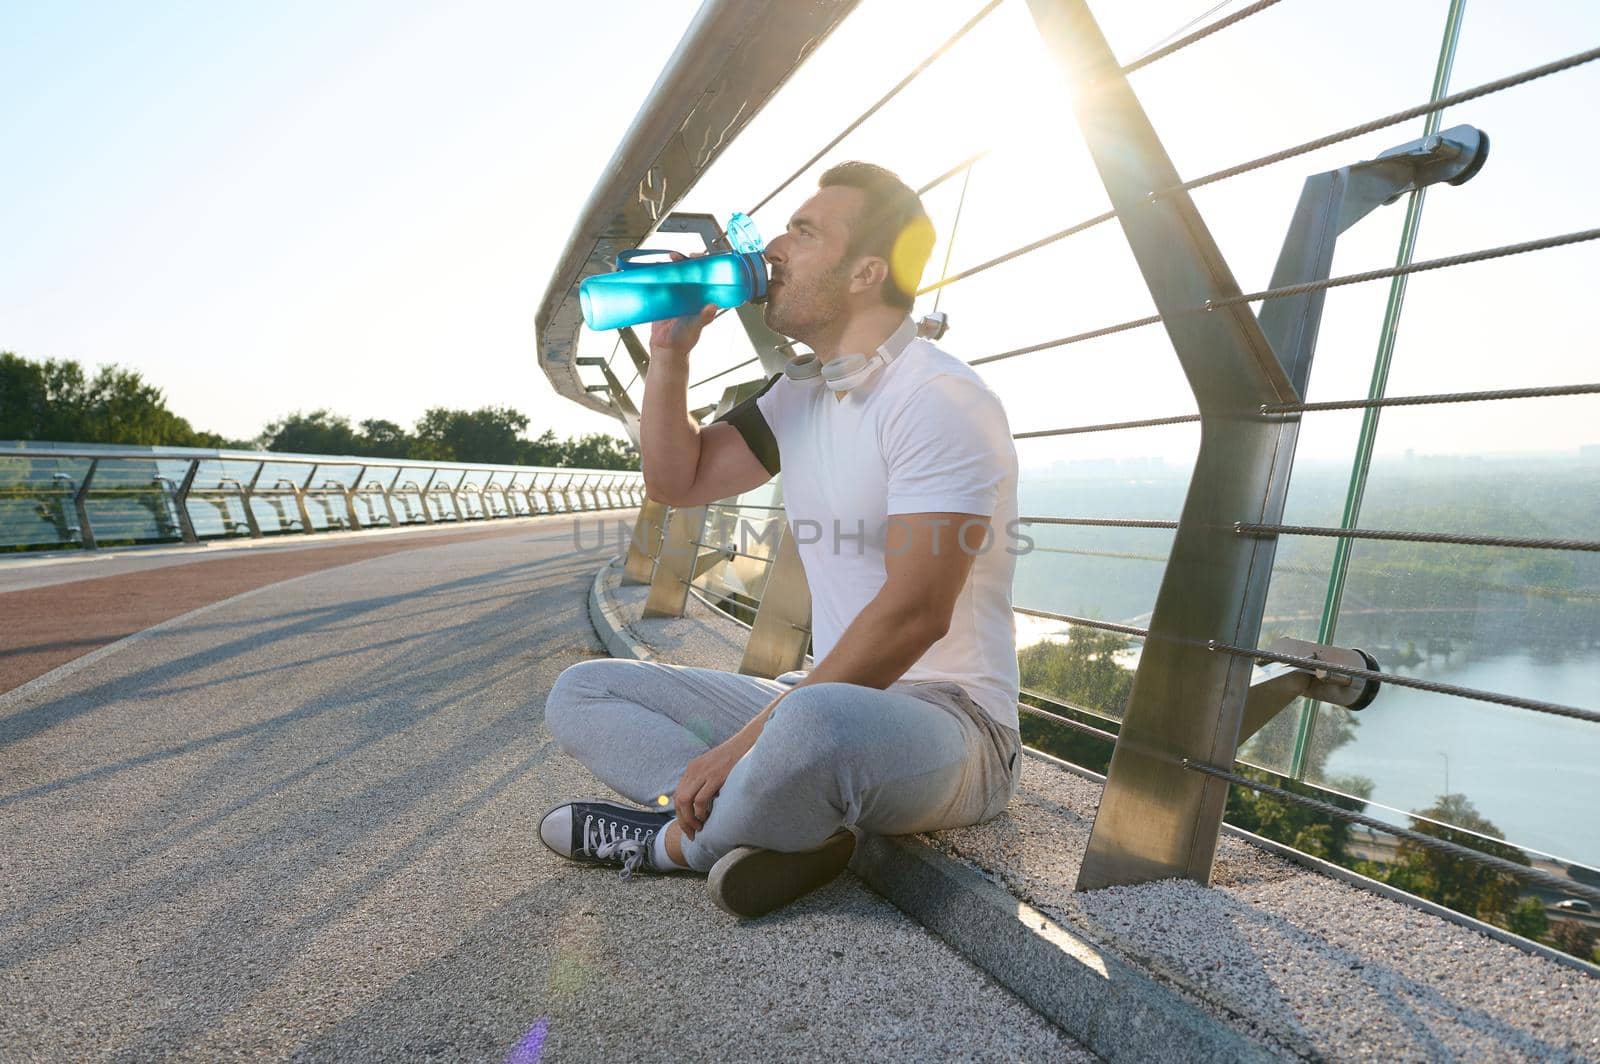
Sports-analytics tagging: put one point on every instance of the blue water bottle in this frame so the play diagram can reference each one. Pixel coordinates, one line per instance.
(638, 292)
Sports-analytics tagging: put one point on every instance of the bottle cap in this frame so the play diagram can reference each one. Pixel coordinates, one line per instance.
(743, 235)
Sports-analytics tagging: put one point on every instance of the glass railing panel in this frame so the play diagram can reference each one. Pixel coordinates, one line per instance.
(217, 514)
(277, 473)
(223, 474)
(1521, 622)
(494, 500)
(736, 584)
(408, 507)
(441, 506)
(370, 510)
(36, 501)
(327, 511)
(134, 501)
(276, 513)
(335, 477)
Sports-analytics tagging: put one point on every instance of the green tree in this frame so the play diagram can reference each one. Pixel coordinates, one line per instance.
(544, 451)
(491, 434)
(319, 432)
(1569, 936)
(1082, 671)
(1307, 830)
(56, 400)
(1527, 918)
(1464, 886)
(597, 450)
(383, 439)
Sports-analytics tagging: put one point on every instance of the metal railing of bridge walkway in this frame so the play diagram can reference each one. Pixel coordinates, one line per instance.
(65, 496)
(1173, 759)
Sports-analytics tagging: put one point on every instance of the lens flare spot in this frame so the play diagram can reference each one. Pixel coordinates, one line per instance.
(910, 255)
(527, 1051)
(568, 973)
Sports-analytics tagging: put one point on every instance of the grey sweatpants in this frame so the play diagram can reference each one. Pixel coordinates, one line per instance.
(911, 758)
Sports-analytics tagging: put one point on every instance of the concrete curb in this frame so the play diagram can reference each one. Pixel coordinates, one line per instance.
(1101, 1000)
(607, 618)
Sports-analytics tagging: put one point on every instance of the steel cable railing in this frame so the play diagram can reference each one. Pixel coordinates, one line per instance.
(1065, 721)
(898, 87)
(1259, 655)
(967, 163)
(1456, 538)
(1465, 258)
(1084, 622)
(1465, 95)
(1439, 398)
(1109, 426)
(730, 552)
(1499, 85)
(950, 42)
(1199, 35)
(1433, 686)
(1432, 842)
(725, 372)
(1099, 522)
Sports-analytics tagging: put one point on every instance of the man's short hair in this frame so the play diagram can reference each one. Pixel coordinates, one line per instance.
(892, 225)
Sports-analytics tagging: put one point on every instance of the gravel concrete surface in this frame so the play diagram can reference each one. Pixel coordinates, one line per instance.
(1322, 968)
(300, 825)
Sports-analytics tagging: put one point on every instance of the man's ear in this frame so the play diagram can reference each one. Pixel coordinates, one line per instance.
(870, 271)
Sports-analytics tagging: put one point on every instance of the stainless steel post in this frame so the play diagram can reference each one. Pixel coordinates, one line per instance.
(1157, 819)
(669, 586)
(648, 532)
(782, 628)
(185, 524)
(80, 503)
(350, 500)
(249, 492)
(388, 502)
(300, 501)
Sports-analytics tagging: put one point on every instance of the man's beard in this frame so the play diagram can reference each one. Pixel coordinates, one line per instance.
(800, 311)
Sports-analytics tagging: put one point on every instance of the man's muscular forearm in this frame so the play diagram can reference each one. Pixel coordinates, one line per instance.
(884, 640)
(669, 443)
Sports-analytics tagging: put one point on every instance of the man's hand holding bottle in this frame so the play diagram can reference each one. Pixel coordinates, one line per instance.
(676, 337)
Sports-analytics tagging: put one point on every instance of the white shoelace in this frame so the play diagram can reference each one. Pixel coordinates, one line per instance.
(608, 845)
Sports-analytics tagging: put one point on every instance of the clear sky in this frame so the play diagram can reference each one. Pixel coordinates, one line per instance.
(265, 207)
(358, 205)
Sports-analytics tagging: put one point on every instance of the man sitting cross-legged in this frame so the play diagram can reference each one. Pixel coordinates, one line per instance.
(899, 480)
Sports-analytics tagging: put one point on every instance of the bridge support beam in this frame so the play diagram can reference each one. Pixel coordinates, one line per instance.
(1157, 819)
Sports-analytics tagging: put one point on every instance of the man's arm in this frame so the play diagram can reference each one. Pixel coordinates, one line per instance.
(683, 464)
(926, 569)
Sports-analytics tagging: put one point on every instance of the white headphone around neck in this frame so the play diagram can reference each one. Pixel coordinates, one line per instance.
(852, 370)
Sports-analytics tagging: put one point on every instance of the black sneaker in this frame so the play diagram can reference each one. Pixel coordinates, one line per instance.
(604, 832)
(748, 881)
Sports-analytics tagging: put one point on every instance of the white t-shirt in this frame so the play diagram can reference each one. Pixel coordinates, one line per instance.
(922, 434)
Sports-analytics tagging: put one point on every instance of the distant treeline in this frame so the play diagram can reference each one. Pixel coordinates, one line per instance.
(58, 400)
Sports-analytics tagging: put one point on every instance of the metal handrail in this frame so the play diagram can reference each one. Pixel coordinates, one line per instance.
(371, 482)
(1283, 394)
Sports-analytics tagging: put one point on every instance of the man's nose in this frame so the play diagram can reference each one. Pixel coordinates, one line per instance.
(772, 253)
